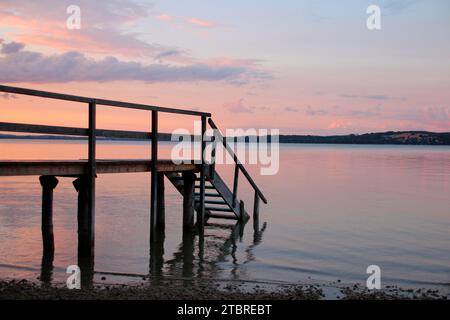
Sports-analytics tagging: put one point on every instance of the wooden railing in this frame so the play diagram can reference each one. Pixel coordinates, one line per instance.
(92, 132)
(238, 168)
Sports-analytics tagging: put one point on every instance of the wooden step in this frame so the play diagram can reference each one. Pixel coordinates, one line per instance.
(219, 209)
(206, 187)
(221, 216)
(215, 202)
(213, 195)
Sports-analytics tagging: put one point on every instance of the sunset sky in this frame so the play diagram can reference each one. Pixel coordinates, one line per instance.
(304, 67)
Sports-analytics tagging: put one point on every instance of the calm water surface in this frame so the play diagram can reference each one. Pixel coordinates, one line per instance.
(333, 210)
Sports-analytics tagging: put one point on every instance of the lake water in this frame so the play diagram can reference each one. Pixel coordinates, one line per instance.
(333, 211)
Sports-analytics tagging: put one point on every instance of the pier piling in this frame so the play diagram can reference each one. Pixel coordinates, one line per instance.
(86, 232)
(161, 207)
(48, 184)
(188, 200)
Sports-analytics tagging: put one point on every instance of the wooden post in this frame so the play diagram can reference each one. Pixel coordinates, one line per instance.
(256, 212)
(242, 216)
(46, 268)
(157, 253)
(154, 178)
(188, 200)
(201, 211)
(92, 169)
(212, 171)
(161, 207)
(48, 184)
(85, 219)
(85, 186)
(235, 184)
(256, 206)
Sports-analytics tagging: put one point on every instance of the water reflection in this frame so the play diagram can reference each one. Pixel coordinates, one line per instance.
(201, 255)
(198, 255)
(393, 200)
(157, 253)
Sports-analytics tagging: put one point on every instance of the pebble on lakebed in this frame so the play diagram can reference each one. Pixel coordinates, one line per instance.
(198, 290)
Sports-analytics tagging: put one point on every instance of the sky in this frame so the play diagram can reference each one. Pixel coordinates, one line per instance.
(303, 67)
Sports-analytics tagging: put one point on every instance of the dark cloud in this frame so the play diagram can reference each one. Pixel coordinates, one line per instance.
(239, 107)
(437, 116)
(290, 109)
(12, 47)
(372, 97)
(316, 112)
(19, 65)
(336, 111)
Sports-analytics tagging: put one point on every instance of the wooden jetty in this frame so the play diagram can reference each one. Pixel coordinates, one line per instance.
(204, 191)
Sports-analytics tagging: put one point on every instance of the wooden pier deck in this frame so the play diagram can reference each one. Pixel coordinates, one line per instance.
(65, 168)
(204, 192)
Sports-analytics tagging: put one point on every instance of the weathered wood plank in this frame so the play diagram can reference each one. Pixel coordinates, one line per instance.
(71, 131)
(80, 167)
(225, 194)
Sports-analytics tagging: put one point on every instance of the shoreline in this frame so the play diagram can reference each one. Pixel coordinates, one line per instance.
(200, 289)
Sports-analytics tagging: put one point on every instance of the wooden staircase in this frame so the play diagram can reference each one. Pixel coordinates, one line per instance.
(211, 197)
(220, 203)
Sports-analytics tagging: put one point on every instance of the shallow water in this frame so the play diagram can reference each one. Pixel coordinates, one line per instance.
(333, 211)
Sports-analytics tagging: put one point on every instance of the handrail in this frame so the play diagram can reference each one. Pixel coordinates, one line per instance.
(104, 102)
(237, 161)
(92, 132)
(71, 131)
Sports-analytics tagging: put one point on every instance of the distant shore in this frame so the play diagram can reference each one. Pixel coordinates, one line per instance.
(205, 290)
(381, 138)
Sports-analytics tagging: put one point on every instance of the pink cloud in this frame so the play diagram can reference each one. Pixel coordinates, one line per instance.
(233, 62)
(340, 124)
(165, 17)
(19, 64)
(99, 36)
(189, 21)
(202, 23)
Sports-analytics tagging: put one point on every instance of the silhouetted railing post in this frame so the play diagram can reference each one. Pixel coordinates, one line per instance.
(92, 173)
(235, 183)
(85, 185)
(154, 178)
(242, 216)
(256, 208)
(213, 155)
(201, 211)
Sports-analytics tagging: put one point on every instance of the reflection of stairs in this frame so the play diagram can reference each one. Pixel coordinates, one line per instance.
(219, 200)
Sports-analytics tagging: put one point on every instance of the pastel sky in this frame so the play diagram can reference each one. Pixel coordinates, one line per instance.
(304, 67)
